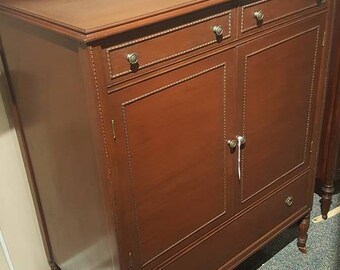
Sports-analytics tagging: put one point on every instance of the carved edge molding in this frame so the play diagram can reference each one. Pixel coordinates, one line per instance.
(108, 50)
(131, 167)
(109, 174)
(243, 200)
(243, 30)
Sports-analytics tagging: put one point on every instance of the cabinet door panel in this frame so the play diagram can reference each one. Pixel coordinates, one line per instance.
(171, 142)
(278, 81)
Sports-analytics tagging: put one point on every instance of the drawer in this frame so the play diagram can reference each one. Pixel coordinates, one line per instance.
(255, 225)
(153, 49)
(264, 12)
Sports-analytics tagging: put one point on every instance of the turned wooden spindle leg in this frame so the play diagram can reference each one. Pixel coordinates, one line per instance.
(303, 233)
(326, 201)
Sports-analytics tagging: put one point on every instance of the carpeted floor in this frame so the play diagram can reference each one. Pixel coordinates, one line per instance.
(323, 245)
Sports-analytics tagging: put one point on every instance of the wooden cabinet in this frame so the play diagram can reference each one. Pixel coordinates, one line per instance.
(160, 143)
(328, 171)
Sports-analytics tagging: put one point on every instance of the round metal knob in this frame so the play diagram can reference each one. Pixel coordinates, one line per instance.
(132, 58)
(289, 201)
(218, 30)
(232, 144)
(259, 15)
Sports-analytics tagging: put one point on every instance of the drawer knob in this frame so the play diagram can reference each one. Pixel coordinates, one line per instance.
(218, 30)
(289, 201)
(232, 144)
(132, 58)
(259, 15)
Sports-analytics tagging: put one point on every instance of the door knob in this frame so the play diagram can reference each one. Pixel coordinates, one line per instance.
(289, 201)
(259, 15)
(132, 58)
(218, 30)
(232, 144)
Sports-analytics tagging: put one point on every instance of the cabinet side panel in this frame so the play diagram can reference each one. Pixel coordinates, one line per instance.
(331, 94)
(49, 94)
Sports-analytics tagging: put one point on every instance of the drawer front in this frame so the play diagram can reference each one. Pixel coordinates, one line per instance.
(264, 12)
(165, 45)
(232, 242)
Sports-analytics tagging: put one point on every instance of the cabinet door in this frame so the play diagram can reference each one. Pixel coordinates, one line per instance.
(278, 81)
(173, 182)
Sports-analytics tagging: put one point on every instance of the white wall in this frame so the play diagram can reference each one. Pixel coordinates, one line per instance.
(18, 222)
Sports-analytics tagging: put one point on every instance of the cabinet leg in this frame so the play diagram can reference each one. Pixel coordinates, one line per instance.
(54, 266)
(326, 201)
(303, 233)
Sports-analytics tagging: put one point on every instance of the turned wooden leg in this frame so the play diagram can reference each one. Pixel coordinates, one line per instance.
(54, 266)
(326, 201)
(303, 233)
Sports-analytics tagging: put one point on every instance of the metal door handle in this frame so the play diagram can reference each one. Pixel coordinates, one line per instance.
(241, 140)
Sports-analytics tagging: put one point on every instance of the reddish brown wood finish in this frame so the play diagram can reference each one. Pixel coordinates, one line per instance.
(135, 171)
(276, 115)
(171, 132)
(15, 122)
(303, 233)
(329, 163)
(229, 244)
(273, 11)
(47, 82)
(89, 20)
(150, 53)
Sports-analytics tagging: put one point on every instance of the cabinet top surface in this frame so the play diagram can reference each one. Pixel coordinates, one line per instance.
(87, 16)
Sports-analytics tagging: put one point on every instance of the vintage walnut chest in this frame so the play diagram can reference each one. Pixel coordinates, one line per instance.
(175, 135)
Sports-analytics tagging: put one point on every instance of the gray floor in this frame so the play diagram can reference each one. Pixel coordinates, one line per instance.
(323, 246)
